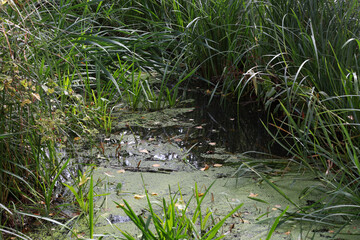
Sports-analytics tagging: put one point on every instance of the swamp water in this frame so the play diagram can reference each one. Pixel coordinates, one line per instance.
(173, 149)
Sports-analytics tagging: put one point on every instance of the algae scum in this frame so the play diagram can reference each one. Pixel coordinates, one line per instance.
(172, 149)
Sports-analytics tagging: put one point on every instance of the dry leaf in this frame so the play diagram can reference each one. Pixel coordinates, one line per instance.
(154, 194)
(121, 204)
(199, 127)
(26, 101)
(77, 138)
(151, 139)
(108, 174)
(287, 233)
(36, 95)
(137, 196)
(274, 209)
(144, 151)
(177, 140)
(205, 168)
(120, 171)
(217, 165)
(156, 165)
(277, 206)
(212, 143)
(200, 194)
(253, 195)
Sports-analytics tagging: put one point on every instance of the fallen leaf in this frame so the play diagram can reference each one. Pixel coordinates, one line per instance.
(177, 140)
(331, 231)
(253, 195)
(137, 196)
(120, 205)
(205, 168)
(274, 209)
(120, 171)
(212, 143)
(77, 138)
(287, 233)
(277, 206)
(156, 165)
(217, 165)
(232, 119)
(151, 139)
(107, 174)
(199, 127)
(154, 194)
(144, 151)
(201, 194)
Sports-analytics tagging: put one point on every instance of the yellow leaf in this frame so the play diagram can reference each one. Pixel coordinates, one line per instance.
(24, 83)
(3, 2)
(154, 194)
(137, 196)
(26, 101)
(83, 180)
(77, 138)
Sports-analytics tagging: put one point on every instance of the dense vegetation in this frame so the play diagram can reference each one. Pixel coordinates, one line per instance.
(65, 64)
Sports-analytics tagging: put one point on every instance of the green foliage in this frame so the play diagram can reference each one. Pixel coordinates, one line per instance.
(174, 221)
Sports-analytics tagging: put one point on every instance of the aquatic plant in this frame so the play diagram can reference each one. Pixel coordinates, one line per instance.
(175, 222)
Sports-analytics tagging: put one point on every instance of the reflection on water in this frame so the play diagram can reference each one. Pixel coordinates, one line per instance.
(235, 128)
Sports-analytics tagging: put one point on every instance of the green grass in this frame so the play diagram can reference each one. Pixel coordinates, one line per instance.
(174, 221)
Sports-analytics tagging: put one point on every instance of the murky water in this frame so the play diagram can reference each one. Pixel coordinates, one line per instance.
(166, 149)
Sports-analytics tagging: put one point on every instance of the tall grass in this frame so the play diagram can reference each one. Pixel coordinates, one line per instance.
(308, 76)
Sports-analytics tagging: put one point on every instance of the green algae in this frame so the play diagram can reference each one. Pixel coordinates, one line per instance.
(139, 148)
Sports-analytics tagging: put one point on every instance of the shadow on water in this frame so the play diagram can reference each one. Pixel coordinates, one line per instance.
(234, 128)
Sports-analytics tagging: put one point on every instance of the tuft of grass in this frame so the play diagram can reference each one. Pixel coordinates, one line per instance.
(175, 222)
